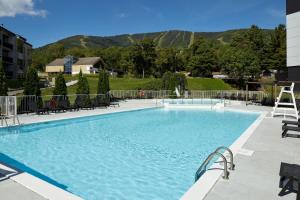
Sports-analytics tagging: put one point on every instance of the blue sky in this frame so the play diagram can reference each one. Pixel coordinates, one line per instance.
(46, 21)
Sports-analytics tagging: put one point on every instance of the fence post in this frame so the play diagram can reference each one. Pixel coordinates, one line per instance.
(247, 87)
(275, 91)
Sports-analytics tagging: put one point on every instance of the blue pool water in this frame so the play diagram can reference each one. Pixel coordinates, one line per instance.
(148, 154)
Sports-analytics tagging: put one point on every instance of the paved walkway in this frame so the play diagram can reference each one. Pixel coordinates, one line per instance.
(10, 190)
(257, 177)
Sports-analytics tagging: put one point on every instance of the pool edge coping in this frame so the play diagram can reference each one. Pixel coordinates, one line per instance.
(200, 189)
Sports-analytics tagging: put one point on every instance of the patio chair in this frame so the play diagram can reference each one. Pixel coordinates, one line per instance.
(33, 107)
(290, 126)
(100, 101)
(5, 174)
(218, 96)
(240, 97)
(113, 101)
(232, 96)
(289, 179)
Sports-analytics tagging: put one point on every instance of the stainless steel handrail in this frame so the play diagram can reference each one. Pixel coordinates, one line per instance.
(205, 163)
(232, 165)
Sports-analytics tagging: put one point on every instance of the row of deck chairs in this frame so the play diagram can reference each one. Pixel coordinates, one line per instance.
(62, 104)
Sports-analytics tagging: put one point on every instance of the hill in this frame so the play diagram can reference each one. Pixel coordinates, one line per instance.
(175, 38)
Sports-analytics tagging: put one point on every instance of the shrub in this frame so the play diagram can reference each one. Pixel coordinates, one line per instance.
(82, 91)
(172, 80)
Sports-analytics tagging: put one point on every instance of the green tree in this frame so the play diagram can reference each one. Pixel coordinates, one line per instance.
(32, 83)
(167, 60)
(103, 82)
(32, 86)
(203, 58)
(278, 46)
(82, 91)
(240, 65)
(60, 87)
(3, 81)
(143, 57)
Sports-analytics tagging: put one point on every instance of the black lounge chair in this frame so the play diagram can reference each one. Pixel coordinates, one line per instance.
(33, 107)
(5, 174)
(290, 126)
(240, 97)
(289, 179)
(232, 96)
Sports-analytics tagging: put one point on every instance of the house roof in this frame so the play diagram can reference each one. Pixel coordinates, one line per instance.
(57, 62)
(88, 61)
(80, 61)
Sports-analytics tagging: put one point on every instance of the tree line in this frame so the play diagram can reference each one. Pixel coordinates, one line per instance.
(244, 57)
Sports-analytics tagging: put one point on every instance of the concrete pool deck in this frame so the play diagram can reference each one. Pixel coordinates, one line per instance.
(255, 177)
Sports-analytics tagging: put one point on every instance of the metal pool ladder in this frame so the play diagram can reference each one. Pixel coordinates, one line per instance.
(202, 168)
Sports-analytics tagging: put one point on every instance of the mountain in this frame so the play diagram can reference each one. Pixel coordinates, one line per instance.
(174, 38)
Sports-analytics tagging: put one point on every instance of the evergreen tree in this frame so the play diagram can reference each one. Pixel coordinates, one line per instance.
(60, 85)
(82, 91)
(32, 87)
(82, 85)
(103, 88)
(31, 83)
(103, 82)
(60, 92)
(3, 81)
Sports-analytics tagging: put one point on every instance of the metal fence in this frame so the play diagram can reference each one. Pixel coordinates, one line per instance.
(27, 104)
(241, 95)
(31, 103)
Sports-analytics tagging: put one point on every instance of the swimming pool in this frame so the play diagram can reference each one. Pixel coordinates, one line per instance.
(147, 154)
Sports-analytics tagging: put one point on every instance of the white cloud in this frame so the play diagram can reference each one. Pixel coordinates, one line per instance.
(11, 8)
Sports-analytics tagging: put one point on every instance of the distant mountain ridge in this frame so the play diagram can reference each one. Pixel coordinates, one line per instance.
(173, 38)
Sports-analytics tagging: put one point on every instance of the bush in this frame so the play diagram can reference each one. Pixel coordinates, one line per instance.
(172, 80)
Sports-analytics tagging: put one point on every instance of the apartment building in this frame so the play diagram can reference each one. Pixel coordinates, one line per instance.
(15, 52)
(293, 40)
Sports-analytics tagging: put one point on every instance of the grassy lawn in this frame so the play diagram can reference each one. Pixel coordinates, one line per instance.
(135, 83)
(207, 84)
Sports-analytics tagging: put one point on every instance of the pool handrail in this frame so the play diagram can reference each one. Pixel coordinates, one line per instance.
(232, 165)
(201, 171)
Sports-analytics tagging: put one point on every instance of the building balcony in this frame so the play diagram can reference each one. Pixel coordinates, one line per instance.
(7, 59)
(8, 45)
